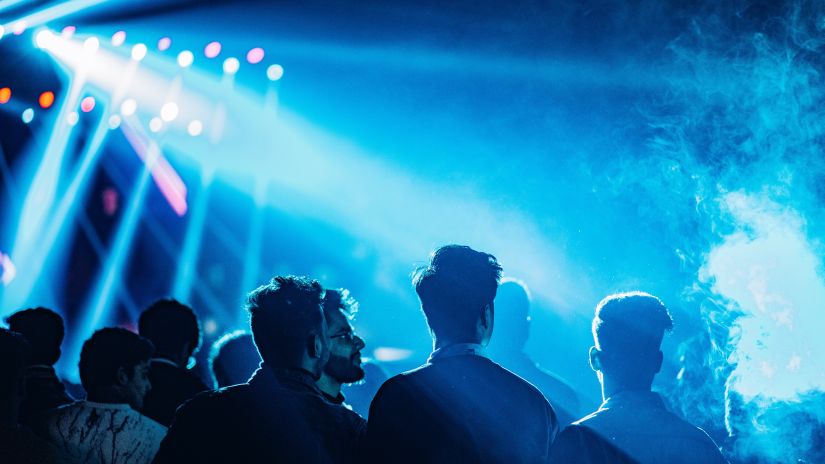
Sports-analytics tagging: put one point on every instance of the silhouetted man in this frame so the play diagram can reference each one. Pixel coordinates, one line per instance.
(280, 415)
(632, 425)
(512, 332)
(233, 359)
(107, 427)
(17, 443)
(344, 364)
(174, 330)
(460, 406)
(43, 329)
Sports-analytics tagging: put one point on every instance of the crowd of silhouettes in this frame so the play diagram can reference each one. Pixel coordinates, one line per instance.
(294, 387)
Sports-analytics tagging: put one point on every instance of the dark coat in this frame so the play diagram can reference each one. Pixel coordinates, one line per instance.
(462, 408)
(278, 416)
(44, 392)
(171, 387)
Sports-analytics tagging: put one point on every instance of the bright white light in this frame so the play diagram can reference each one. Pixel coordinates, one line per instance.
(231, 65)
(118, 38)
(275, 72)
(169, 111)
(114, 121)
(138, 52)
(28, 115)
(155, 124)
(42, 39)
(72, 118)
(91, 44)
(2, 31)
(19, 27)
(185, 59)
(195, 128)
(128, 107)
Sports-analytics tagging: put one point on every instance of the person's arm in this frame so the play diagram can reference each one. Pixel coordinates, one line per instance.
(388, 432)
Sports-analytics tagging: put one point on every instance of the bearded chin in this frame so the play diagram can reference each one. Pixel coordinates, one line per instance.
(343, 369)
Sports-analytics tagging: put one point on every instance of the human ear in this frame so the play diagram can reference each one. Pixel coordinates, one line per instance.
(122, 376)
(595, 361)
(316, 346)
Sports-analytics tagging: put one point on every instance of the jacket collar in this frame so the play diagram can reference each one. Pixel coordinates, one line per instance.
(457, 349)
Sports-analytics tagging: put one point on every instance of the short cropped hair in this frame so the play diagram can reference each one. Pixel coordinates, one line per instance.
(340, 300)
(233, 359)
(169, 325)
(14, 351)
(283, 314)
(44, 331)
(630, 323)
(108, 350)
(455, 287)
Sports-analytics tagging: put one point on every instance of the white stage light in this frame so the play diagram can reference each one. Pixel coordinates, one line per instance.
(138, 52)
(169, 111)
(231, 65)
(128, 107)
(185, 59)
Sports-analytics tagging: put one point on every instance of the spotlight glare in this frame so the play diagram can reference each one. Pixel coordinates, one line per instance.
(118, 38)
(185, 59)
(72, 118)
(164, 44)
(114, 121)
(128, 107)
(91, 44)
(275, 72)
(28, 115)
(2, 31)
(5, 95)
(231, 65)
(87, 104)
(255, 56)
(155, 124)
(46, 99)
(195, 128)
(212, 50)
(43, 38)
(169, 111)
(19, 27)
(68, 31)
(138, 52)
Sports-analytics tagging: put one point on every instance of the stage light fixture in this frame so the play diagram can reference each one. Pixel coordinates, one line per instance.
(212, 49)
(28, 115)
(275, 72)
(72, 118)
(138, 52)
(5, 95)
(231, 65)
(68, 31)
(195, 128)
(118, 38)
(91, 44)
(128, 107)
(164, 44)
(46, 99)
(87, 104)
(255, 56)
(114, 121)
(155, 124)
(169, 111)
(185, 59)
(43, 38)
(19, 27)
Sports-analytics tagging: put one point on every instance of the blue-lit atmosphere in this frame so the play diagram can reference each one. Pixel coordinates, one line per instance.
(196, 149)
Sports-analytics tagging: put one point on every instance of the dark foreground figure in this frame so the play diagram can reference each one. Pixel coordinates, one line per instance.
(460, 406)
(279, 415)
(632, 425)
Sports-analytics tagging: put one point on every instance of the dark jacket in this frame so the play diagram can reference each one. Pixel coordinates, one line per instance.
(171, 387)
(44, 392)
(460, 408)
(278, 416)
(634, 427)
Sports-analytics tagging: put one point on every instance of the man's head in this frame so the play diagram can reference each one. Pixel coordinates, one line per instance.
(173, 328)
(628, 330)
(512, 316)
(43, 329)
(457, 290)
(288, 325)
(13, 353)
(114, 365)
(233, 359)
(344, 363)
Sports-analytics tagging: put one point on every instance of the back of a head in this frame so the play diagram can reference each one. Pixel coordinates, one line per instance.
(108, 350)
(44, 331)
(512, 307)
(13, 353)
(339, 300)
(628, 329)
(170, 325)
(454, 289)
(233, 359)
(283, 316)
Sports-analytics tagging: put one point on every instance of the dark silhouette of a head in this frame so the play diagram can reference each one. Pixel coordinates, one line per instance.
(13, 353)
(344, 364)
(456, 289)
(287, 321)
(512, 316)
(44, 331)
(628, 329)
(172, 327)
(233, 359)
(109, 361)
